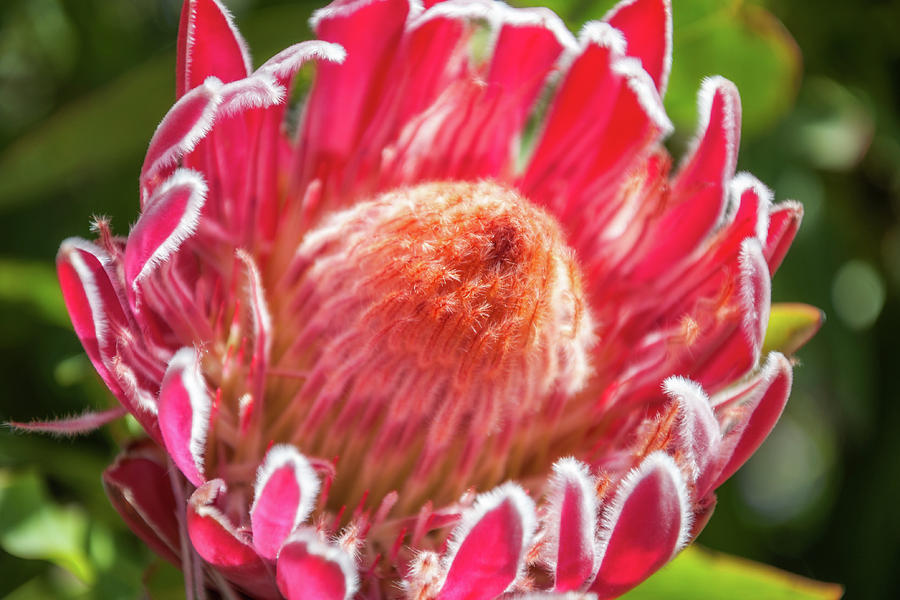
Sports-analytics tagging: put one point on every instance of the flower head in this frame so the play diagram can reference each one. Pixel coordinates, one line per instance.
(462, 267)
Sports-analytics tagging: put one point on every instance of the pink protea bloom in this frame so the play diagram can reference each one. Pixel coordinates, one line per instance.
(460, 268)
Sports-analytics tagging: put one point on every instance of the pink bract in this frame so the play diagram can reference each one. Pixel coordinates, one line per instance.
(464, 260)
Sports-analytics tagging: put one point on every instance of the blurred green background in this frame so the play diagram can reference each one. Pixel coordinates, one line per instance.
(83, 84)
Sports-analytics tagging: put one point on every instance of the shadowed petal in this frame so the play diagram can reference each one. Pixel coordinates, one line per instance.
(92, 302)
(219, 543)
(91, 289)
(741, 351)
(138, 486)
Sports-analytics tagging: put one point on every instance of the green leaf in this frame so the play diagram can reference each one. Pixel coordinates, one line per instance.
(35, 285)
(35, 527)
(103, 131)
(55, 584)
(700, 574)
(791, 325)
(89, 137)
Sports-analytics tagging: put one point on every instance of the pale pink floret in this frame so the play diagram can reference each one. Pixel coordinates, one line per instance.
(349, 337)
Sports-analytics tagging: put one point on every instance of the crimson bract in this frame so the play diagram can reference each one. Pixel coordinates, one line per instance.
(453, 327)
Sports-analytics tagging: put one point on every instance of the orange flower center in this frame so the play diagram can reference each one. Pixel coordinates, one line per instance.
(426, 328)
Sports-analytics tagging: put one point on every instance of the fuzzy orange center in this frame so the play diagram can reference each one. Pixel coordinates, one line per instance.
(426, 324)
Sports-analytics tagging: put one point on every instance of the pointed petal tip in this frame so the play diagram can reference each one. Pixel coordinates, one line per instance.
(604, 35)
(82, 424)
(287, 62)
(784, 222)
(186, 123)
(744, 182)
(642, 86)
(719, 127)
(170, 217)
(647, 25)
(678, 387)
(259, 90)
(209, 44)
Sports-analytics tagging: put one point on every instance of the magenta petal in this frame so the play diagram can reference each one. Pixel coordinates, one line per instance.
(756, 293)
(752, 202)
(83, 423)
(741, 352)
(92, 291)
(284, 65)
(698, 436)
(138, 486)
(283, 496)
(784, 221)
(184, 409)
(572, 543)
(93, 303)
(186, 123)
(753, 412)
(262, 326)
(647, 25)
(310, 569)
(550, 596)
(528, 45)
(333, 128)
(219, 543)
(713, 156)
(259, 90)
(699, 191)
(487, 550)
(645, 524)
(208, 45)
(581, 108)
(169, 218)
(479, 114)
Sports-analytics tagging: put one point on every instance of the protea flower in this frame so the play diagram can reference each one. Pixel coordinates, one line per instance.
(455, 329)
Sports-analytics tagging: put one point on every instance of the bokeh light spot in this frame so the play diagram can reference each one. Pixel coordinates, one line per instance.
(858, 294)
